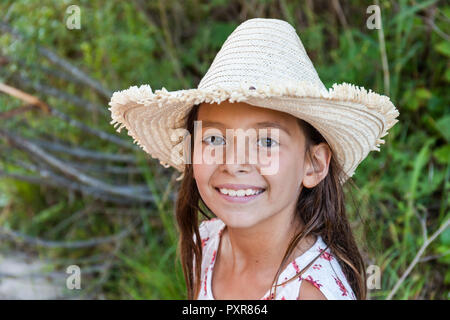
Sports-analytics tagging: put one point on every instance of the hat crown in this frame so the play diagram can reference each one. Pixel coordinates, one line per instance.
(261, 51)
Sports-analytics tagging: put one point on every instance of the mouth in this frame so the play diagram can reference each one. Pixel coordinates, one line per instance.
(240, 192)
(240, 195)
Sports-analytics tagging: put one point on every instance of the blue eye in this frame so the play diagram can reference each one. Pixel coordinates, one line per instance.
(268, 142)
(214, 140)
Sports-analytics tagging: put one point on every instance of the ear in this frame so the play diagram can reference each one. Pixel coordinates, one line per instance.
(317, 170)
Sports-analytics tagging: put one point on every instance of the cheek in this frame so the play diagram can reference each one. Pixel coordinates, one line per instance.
(290, 173)
(202, 175)
(199, 172)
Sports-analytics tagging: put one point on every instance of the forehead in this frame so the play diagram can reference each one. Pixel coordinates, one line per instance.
(241, 114)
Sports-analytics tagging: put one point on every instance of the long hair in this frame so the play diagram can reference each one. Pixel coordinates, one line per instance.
(321, 209)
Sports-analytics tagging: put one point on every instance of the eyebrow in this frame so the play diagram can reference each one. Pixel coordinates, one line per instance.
(263, 124)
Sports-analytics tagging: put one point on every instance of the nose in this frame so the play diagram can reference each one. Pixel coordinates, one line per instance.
(236, 169)
(237, 158)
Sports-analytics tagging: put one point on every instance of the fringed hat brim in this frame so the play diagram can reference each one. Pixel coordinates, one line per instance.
(351, 119)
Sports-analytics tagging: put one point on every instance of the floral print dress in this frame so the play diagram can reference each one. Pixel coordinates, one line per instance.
(325, 273)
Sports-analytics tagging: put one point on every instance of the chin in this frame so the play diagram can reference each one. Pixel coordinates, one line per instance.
(239, 219)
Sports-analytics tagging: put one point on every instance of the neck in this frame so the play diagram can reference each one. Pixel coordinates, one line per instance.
(260, 246)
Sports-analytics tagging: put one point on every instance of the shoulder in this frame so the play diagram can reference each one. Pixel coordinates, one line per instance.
(309, 292)
(324, 279)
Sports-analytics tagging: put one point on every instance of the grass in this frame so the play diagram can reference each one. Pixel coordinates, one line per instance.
(127, 43)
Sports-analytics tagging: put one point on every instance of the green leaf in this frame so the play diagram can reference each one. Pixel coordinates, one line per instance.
(445, 237)
(447, 75)
(420, 161)
(442, 154)
(423, 93)
(443, 125)
(405, 13)
(220, 32)
(447, 278)
(444, 48)
(48, 213)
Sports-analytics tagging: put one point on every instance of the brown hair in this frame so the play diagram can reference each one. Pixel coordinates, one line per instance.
(321, 209)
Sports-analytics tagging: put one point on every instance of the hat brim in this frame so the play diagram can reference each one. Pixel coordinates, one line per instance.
(351, 119)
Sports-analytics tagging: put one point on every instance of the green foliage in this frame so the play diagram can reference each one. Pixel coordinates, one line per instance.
(171, 44)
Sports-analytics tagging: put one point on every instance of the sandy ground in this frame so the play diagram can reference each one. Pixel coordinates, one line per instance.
(25, 278)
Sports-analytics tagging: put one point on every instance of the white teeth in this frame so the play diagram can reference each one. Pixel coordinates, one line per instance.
(240, 193)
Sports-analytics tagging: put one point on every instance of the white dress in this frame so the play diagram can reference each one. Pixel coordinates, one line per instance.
(325, 273)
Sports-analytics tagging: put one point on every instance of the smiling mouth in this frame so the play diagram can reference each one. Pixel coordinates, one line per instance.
(242, 193)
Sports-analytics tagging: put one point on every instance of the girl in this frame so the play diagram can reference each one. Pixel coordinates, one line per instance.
(277, 235)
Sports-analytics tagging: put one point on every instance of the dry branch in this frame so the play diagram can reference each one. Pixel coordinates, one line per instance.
(65, 168)
(51, 91)
(108, 170)
(48, 178)
(426, 243)
(96, 132)
(82, 153)
(62, 63)
(25, 97)
(78, 124)
(14, 112)
(20, 237)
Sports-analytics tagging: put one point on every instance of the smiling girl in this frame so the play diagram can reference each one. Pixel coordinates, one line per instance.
(278, 226)
(246, 233)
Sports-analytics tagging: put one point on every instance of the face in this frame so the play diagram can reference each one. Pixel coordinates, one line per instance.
(278, 192)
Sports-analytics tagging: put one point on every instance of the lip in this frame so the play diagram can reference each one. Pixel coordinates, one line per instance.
(244, 199)
(238, 186)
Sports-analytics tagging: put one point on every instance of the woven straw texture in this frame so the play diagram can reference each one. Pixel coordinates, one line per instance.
(262, 63)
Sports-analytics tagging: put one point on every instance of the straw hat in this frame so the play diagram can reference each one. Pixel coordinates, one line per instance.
(262, 63)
